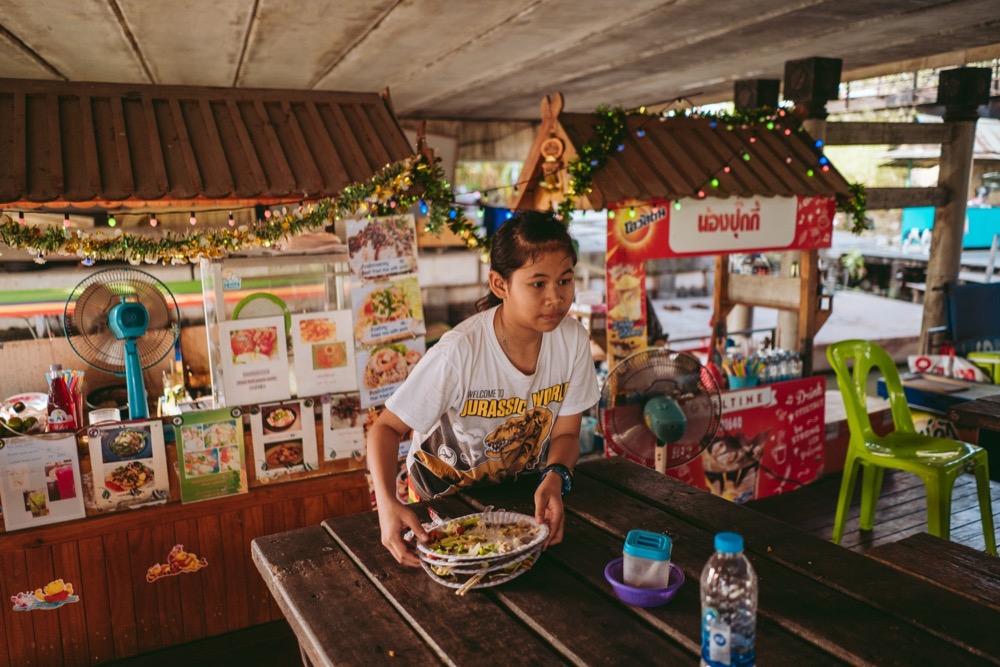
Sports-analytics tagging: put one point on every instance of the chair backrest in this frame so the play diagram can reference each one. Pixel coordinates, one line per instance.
(852, 361)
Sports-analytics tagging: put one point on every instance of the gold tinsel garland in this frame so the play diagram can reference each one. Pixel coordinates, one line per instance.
(392, 190)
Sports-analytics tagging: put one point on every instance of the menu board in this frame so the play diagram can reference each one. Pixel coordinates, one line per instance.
(387, 311)
(210, 454)
(384, 367)
(40, 481)
(381, 247)
(343, 427)
(254, 360)
(129, 463)
(284, 438)
(323, 344)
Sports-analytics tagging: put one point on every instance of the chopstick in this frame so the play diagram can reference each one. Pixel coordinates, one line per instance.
(467, 586)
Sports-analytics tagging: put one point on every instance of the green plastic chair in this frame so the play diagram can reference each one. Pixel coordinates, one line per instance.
(937, 461)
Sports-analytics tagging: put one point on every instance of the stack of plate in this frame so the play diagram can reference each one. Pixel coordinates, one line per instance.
(457, 571)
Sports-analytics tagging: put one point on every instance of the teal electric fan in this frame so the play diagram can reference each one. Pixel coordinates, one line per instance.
(660, 408)
(122, 321)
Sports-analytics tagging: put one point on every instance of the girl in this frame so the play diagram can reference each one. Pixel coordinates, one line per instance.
(500, 395)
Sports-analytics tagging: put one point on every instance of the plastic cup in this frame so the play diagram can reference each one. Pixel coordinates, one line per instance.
(67, 485)
(737, 382)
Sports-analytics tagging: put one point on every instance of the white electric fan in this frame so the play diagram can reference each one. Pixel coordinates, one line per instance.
(660, 408)
(122, 321)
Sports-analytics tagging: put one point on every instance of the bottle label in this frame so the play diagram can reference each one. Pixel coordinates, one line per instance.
(715, 640)
(59, 420)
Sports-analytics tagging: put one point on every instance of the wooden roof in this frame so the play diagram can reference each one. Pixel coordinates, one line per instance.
(95, 144)
(674, 158)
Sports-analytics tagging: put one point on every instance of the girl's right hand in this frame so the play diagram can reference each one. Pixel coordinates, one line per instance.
(394, 520)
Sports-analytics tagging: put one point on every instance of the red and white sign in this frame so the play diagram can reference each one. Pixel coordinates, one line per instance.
(711, 226)
(771, 440)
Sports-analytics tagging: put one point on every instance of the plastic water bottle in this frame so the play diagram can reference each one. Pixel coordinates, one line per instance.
(728, 606)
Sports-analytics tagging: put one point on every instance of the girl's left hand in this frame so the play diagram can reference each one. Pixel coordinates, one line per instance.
(549, 508)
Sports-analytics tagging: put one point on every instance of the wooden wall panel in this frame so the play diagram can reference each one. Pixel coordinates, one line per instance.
(192, 586)
(106, 558)
(120, 595)
(168, 589)
(237, 572)
(93, 591)
(258, 608)
(18, 626)
(72, 617)
(48, 645)
(143, 552)
(210, 547)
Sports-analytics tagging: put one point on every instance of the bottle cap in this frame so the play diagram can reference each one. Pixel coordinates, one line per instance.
(55, 367)
(729, 543)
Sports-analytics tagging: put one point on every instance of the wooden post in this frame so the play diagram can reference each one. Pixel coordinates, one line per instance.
(961, 90)
(749, 94)
(810, 83)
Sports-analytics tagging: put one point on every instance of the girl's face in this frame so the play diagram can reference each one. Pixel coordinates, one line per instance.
(539, 294)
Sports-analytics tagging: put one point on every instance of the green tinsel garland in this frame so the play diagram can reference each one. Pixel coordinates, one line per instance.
(390, 191)
(592, 156)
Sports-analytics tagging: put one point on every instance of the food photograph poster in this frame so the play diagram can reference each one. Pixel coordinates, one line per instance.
(384, 367)
(381, 247)
(284, 438)
(210, 454)
(387, 310)
(254, 360)
(129, 463)
(343, 427)
(40, 481)
(323, 345)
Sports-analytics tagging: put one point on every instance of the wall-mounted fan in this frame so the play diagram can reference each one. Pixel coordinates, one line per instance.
(660, 408)
(122, 321)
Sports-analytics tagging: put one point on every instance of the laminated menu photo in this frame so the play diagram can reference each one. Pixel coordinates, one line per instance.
(284, 438)
(384, 367)
(381, 247)
(387, 311)
(40, 481)
(343, 427)
(210, 454)
(323, 344)
(129, 463)
(254, 360)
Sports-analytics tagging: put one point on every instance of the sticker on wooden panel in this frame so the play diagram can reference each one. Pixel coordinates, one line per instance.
(50, 596)
(178, 562)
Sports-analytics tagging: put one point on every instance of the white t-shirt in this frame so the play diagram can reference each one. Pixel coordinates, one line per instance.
(476, 418)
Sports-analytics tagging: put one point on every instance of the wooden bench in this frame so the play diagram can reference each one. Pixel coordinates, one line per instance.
(946, 564)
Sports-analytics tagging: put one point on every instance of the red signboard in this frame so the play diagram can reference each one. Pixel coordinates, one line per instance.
(690, 227)
(771, 441)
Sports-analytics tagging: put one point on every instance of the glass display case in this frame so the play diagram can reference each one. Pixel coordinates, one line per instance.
(251, 304)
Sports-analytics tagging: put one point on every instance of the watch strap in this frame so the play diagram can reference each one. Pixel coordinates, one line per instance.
(564, 472)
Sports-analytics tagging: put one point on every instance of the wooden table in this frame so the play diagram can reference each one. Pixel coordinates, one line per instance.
(349, 602)
(983, 413)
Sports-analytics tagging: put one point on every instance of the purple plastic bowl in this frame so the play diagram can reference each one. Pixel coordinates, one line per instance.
(642, 597)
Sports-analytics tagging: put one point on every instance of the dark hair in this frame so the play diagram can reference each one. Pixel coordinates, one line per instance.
(522, 240)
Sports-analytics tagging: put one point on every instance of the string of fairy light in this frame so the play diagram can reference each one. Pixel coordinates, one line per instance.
(416, 181)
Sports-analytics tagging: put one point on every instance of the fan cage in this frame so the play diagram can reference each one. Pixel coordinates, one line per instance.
(85, 318)
(654, 372)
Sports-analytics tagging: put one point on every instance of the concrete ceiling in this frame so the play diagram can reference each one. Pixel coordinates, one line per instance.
(484, 59)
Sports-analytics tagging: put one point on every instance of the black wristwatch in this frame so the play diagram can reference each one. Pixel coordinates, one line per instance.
(562, 471)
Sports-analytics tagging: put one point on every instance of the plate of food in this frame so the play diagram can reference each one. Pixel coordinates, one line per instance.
(283, 455)
(128, 443)
(280, 418)
(24, 414)
(484, 536)
(132, 475)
